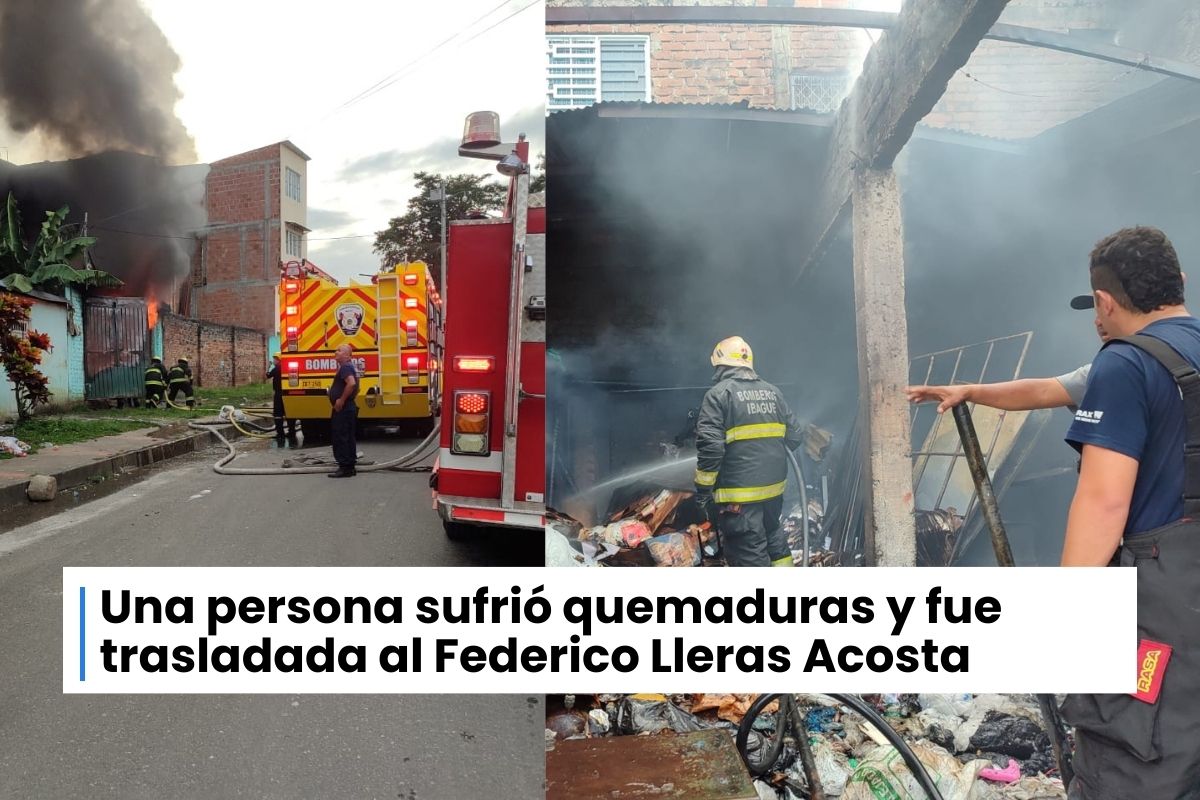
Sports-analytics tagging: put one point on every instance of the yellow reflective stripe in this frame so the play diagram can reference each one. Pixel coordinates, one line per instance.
(759, 430)
(748, 494)
(786, 561)
(705, 478)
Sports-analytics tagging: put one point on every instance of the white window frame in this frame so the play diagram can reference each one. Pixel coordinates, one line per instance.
(292, 181)
(298, 239)
(593, 70)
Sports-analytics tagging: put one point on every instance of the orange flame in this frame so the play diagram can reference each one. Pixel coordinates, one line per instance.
(152, 310)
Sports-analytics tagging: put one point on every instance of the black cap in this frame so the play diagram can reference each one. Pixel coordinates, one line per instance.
(1083, 302)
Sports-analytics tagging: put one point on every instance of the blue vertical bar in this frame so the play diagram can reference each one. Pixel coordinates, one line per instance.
(82, 638)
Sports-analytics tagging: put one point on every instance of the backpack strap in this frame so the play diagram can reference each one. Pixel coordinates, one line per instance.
(1187, 378)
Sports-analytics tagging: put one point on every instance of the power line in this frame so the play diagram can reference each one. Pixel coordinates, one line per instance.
(407, 71)
(392, 77)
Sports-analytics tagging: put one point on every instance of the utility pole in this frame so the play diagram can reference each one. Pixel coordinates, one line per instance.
(442, 279)
(439, 194)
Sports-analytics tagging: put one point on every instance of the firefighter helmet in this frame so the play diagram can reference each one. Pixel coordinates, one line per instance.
(732, 352)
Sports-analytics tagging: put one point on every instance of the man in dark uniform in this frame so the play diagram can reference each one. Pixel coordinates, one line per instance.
(179, 380)
(344, 418)
(156, 382)
(276, 376)
(1138, 504)
(742, 431)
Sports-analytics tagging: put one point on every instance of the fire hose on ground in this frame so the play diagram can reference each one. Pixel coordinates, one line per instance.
(406, 463)
(789, 717)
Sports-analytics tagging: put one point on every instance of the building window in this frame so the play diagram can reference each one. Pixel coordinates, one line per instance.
(819, 91)
(295, 241)
(582, 70)
(292, 184)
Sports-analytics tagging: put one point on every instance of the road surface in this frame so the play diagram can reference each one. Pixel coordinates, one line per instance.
(265, 746)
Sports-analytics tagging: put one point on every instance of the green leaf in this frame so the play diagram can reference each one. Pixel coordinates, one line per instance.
(17, 282)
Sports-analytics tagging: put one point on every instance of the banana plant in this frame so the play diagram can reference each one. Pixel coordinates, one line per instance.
(48, 262)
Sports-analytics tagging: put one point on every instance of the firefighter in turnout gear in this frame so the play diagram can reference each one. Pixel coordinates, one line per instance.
(741, 467)
(156, 382)
(179, 379)
(275, 375)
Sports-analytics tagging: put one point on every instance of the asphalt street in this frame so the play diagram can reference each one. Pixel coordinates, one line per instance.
(265, 746)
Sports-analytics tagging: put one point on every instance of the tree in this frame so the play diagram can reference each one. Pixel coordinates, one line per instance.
(50, 262)
(417, 235)
(21, 353)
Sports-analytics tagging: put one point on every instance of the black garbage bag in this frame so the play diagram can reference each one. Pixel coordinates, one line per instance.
(653, 716)
(1011, 735)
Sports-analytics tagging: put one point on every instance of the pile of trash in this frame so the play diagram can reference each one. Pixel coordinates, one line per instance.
(937, 534)
(657, 527)
(15, 447)
(974, 747)
(667, 528)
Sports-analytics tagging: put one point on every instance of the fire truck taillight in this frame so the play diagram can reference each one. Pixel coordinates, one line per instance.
(474, 363)
(291, 286)
(413, 365)
(411, 327)
(293, 338)
(410, 280)
(471, 423)
(410, 302)
(292, 310)
(293, 373)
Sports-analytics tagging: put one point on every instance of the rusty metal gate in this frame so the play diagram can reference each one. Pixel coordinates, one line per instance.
(116, 341)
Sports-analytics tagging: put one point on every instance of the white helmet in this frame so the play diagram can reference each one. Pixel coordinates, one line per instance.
(732, 352)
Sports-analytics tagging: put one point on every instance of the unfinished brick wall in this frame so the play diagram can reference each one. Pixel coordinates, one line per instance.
(1006, 90)
(238, 273)
(220, 355)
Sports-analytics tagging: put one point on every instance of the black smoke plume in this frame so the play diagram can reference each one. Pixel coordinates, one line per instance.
(90, 76)
(94, 81)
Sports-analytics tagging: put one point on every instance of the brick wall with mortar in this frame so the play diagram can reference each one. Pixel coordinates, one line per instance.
(220, 355)
(236, 278)
(1006, 90)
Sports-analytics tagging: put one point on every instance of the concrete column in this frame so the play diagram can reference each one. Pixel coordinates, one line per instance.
(883, 367)
(781, 65)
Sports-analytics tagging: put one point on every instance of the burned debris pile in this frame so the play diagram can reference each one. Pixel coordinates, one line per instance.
(975, 747)
(648, 523)
(664, 527)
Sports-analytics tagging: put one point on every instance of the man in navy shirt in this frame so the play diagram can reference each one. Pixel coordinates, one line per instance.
(1129, 509)
(1130, 426)
(344, 418)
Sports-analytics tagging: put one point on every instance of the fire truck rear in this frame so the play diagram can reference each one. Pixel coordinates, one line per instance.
(393, 325)
(491, 467)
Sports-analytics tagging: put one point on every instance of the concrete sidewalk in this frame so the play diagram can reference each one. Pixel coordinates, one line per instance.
(100, 459)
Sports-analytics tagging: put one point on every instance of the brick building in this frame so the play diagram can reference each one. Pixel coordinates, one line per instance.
(256, 204)
(1007, 90)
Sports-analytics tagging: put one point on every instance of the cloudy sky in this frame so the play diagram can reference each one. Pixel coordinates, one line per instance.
(258, 72)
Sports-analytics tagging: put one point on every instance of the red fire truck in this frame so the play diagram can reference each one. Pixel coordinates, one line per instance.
(491, 464)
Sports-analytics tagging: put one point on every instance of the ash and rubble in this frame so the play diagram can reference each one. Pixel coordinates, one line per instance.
(648, 522)
(976, 747)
